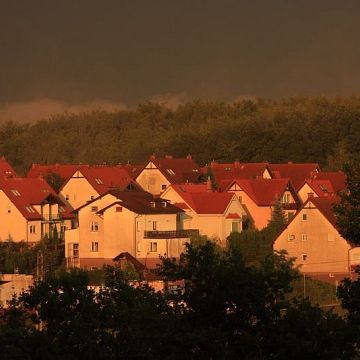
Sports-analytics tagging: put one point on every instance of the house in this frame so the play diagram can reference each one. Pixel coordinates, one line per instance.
(296, 172)
(258, 197)
(30, 209)
(159, 173)
(215, 214)
(312, 238)
(135, 222)
(224, 173)
(323, 184)
(87, 183)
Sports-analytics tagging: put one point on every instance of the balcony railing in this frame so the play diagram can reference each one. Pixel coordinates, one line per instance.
(171, 234)
(289, 206)
(52, 218)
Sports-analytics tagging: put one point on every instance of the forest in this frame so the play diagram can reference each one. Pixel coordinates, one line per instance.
(318, 129)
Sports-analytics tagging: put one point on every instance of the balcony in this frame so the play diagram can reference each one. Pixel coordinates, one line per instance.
(176, 234)
(289, 206)
(52, 218)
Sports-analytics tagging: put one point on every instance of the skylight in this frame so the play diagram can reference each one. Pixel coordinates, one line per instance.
(15, 192)
(170, 171)
(98, 181)
(30, 209)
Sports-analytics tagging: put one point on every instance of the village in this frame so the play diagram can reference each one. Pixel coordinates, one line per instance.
(141, 213)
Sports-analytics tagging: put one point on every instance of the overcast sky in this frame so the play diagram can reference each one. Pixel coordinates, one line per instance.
(79, 54)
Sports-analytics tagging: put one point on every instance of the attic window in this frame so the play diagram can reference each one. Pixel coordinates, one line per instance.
(291, 237)
(171, 172)
(94, 209)
(99, 181)
(16, 192)
(118, 209)
(30, 209)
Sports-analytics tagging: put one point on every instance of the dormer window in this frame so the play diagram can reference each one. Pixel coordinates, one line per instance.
(99, 181)
(15, 192)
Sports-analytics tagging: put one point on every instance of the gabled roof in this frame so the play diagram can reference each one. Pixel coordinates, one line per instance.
(296, 172)
(320, 187)
(6, 170)
(264, 192)
(226, 172)
(192, 188)
(132, 169)
(65, 171)
(337, 179)
(25, 192)
(177, 171)
(103, 178)
(204, 202)
(140, 202)
(325, 206)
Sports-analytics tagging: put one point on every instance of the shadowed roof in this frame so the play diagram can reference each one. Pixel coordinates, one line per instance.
(25, 192)
(6, 169)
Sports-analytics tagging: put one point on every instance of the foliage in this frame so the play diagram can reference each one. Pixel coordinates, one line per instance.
(322, 130)
(228, 310)
(54, 180)
(348, 210)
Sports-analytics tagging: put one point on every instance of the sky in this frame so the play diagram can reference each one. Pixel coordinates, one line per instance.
(79, 55)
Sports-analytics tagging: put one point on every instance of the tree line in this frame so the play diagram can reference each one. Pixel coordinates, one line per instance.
(323, 130)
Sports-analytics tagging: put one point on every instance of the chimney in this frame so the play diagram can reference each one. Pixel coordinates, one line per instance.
(237, 163)
(208, 185)
(152, 157)
(189, 157)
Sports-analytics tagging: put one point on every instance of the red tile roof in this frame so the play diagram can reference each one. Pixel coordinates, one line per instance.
(325, 206)
(296, 172)
(140, 202)
(25, 192)
(320, 187)
(264, 191)
(192, 188)
(206, 202)
(103, 178)
(337, 179)
(65, 171)
(225, 173)
(177, 171)
(6, 170)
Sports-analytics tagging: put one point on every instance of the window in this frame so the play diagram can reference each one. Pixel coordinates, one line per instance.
(67, 197)
(152, 204)
(98, 181)
(291, 237)
(32, 229)
(304, 257)
(94, 209)
(240, 199)
(62, 228)
(303, 237)
(171, 172)
(76, 250)
(30, 209)
(163, 187)
(94, 226)
(285, 198)
(235, 226)
(304, 216)
(92, 197)
(139, 247)
(153, 247)
(15, 192)
(118, 209)
(154, 225)
(138, 226)
(95, 246)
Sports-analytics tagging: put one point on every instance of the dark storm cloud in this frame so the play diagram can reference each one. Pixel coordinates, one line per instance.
(131, 51)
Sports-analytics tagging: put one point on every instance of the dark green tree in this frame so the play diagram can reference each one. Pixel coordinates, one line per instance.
(347, 212)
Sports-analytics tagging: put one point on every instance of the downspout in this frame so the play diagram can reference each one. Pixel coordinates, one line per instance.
(135, 234)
